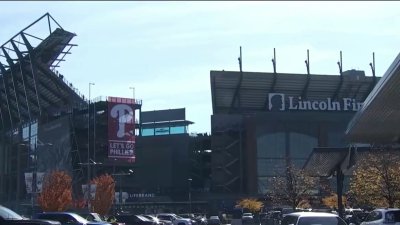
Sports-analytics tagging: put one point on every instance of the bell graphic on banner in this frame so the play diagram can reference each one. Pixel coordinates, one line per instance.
(92, 191)
(39, 182)
(28, 182)
(117, 198)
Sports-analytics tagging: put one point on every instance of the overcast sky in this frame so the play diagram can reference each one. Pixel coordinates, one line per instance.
(167, 49)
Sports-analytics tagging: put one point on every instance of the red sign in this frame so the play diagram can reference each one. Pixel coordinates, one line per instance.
(121, 128)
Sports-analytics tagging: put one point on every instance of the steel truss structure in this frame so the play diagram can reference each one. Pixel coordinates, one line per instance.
(30, 87)
(32, 91)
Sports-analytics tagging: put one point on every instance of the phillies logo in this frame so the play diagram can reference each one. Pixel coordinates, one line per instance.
(124, 114)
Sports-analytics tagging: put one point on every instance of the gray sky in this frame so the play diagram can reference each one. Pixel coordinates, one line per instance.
(167, 49)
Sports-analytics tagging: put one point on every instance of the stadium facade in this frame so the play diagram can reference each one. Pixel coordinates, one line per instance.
(47, 125)
(261, 122)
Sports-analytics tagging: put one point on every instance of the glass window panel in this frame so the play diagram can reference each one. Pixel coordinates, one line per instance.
(299, 163)
(301, 145)
(162, 131)
(34, 129)
(177, 130)
(264, 185)
(25, 133)
(271, 167)
(148, 132)
(271, 145)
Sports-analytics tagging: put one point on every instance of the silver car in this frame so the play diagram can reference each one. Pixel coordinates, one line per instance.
(387, 216)
(312, 218)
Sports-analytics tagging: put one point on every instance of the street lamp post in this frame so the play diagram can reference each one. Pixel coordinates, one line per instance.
(88, 150)
(190, 195)
(88, 164)
(119, 175)
(133, 92)
(34, 156)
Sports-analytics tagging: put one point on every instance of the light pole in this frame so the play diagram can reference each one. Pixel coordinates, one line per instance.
(133, 92)
(33, 153)
(88, 150)
(88, 164)
(190, 195)
(119, 175)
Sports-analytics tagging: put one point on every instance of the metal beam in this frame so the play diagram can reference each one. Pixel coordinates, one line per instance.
(23, 76)
(305, 89)
(274, 79)
(11, 64)
(33, 68)
(47, 14)
(236, 97)
(373, 83)
(7, 92)
(340, 64)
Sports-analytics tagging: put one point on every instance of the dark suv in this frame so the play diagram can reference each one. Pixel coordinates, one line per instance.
(9, 217)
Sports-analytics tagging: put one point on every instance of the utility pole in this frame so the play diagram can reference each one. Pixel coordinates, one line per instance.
(119, 175)
(190, 195)
(88, 152)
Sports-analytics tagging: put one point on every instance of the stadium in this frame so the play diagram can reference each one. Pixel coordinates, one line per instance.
(261, 123)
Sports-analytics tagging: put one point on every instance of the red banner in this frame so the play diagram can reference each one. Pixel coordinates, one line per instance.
(121, 128)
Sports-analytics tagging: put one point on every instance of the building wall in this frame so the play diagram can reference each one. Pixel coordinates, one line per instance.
(284, 138)
(270, 141)
(162, 161)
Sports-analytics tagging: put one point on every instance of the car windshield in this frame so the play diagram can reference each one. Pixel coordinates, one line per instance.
(320, 221)
(79, 218)
(392, 216)
(8, 214)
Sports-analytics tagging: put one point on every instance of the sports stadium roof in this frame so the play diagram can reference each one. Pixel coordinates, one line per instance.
(378, 120)
(30, 87)
(235, 92)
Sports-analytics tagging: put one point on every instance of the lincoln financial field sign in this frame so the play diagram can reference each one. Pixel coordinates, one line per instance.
(280, 102)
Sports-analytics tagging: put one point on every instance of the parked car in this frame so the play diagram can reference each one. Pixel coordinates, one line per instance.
(247, 215)
(286, 211)
(67, 218)
(130, 219)
(9, 217)
(309, 218)
(175, 219)
(214, 220)
(191, 217)
(157, 220)
(95, 217)
(388, 216)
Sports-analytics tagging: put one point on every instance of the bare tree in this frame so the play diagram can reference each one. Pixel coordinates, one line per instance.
(294, 187)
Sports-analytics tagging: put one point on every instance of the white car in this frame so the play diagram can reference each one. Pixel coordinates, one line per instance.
(214, 220)
(247, 215)
(175, 219)
(312, 218)
(387, 216)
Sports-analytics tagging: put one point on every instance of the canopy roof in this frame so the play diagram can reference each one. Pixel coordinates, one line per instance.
(378, 120)
(325, 161)
(248, 91)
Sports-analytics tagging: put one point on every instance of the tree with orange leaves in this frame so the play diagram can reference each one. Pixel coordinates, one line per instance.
(57, 192)
(105, 191)
(253, 205)
(332, 201)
